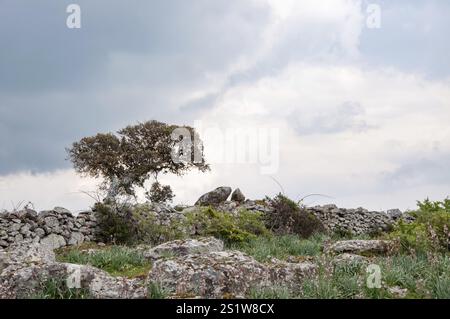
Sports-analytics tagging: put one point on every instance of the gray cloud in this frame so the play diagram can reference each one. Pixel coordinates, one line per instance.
(126, 64)
(419, 170)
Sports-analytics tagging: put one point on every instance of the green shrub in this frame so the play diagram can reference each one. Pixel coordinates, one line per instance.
(229, 227)
(289, 218)
(133, 224)
(150, 231)
(115, 223)
(429, 231)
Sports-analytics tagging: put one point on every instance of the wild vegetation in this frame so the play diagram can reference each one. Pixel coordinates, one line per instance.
(421, 269)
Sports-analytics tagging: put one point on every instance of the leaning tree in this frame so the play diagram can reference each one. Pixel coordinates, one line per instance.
(126, 160)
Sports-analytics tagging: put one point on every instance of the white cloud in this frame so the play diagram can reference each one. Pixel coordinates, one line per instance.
(405, 114)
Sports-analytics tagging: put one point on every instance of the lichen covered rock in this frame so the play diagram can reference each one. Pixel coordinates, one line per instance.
(361, 247)
(184, 247)
(215, 197)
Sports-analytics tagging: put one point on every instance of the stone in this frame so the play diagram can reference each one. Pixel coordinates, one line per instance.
(15, 227)
(237, 196)
(291, 275)
(53, 241)
(225, 274)
(184, 247)
(213, 275)
(51, 221)
(395, 213)
(347, 258)
(39, 232)
(25, 267)
(62, 211)
(215, 197)
(76, 238)
(3, 260)
(361, 247)
(398, 292)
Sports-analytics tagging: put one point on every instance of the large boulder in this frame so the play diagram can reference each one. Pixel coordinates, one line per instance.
(237, 196)
(361, 247)
(223, 274)
(184, 247)
(289, 274)
(26, 267)
(213, 275)
(28, 281)
(54, 241)
(215, 197)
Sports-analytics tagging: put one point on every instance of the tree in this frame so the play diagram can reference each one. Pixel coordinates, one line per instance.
(129, 158)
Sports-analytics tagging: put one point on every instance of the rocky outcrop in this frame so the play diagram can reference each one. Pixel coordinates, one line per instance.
(57, 227)
(26, 267)
(215, 197)
(224, 274)
(361, 247)
(184, 247)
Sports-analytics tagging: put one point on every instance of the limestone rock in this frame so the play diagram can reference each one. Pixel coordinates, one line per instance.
(62, 211)
(225, 274)
(212, 275)
(215, 197)
(54, 241)
(347, 258)
(290, 274)
(237, 196)
(25, 268)
(185, 247)
(76, 238)
(361, 247)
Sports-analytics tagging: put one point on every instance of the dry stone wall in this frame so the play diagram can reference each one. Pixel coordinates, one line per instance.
(55, 228)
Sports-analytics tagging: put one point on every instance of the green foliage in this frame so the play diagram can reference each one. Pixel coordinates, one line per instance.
(160, 193)
(289, 218)
(156, 291)
(115, 223)
(150, 231)
(116, 260)
(281, 247)
(129, 225)
(56, 288)
(429, 231)
(271, 293)
(238, 228)
(127, 159)
(424, 275)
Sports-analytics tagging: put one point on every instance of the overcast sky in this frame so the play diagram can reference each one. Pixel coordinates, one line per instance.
(362, 113)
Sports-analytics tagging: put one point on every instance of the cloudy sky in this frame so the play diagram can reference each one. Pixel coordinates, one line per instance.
(362, 113)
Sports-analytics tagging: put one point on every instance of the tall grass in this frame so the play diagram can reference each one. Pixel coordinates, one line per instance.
(116, 260)
(281, 247)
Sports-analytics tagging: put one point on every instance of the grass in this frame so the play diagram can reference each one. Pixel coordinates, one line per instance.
(270, 293)
(156, 291)
(56, 288)
(424, 277)
(281, 247)
(116, 260)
